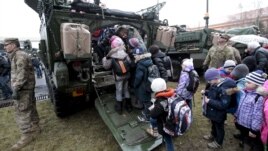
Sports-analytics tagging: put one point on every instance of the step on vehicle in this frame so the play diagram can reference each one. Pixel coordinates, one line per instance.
(75, 76)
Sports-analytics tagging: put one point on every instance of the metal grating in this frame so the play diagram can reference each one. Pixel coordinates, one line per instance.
(7, 103)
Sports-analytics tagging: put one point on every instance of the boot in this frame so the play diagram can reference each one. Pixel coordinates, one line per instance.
(128, 105)
(24, 140)
(118, 107)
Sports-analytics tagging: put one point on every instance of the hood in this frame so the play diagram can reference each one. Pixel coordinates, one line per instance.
(142, 56)
(118, 53)
(159, 54)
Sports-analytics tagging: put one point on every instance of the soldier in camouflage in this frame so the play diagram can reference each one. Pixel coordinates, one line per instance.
(23, 84)
(219, 53)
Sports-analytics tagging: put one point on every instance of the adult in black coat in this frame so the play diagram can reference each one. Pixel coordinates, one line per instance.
(158, 60)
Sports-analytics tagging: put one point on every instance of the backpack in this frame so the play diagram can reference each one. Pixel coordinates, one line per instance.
(193, 81)
(152, 73)
(168, 65)
(179, 116)
(120, 66)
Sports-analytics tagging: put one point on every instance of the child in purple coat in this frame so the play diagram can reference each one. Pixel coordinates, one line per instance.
(187, 66)
(249, 116)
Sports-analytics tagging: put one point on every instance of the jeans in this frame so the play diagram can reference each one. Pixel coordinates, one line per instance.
(153, 122)
(4, 86)
(168, 142)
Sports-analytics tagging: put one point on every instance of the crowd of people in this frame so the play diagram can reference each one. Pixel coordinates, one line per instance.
(239, 89)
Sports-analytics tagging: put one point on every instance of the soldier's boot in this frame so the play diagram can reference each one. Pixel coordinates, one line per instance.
(128, 105)
(118, 107)
(23, 141)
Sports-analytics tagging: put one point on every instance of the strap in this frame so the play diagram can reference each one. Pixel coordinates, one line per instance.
(257, 97)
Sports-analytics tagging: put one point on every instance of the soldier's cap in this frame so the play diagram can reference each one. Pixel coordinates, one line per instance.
(225, 36)
(11, 40)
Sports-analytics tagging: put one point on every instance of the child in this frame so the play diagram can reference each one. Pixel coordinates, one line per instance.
(227, 68)
(249, 115)
(158, 110)
(217, 101)
(187, 66)
(121, 81)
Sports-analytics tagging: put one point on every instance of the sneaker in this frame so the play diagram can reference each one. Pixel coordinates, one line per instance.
(143, 118)
(152, 132)
(214, 145)
(208, 137)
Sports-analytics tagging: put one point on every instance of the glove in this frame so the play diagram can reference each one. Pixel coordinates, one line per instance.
(15, 95)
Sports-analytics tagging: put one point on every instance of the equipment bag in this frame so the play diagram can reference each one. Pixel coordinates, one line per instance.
(193, 81)
(120, 66)
(179, 117)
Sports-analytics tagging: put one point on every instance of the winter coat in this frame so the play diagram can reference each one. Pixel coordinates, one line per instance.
(216, 108)
(236, 55)
(217, 55)
(143, 62)
(249, 112)
(160, 111)
(261, 58)
(117, 53)
(183, 83)
(5, 66)
(159, 62)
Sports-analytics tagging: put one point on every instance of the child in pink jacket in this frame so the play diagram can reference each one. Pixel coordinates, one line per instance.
(264, 130)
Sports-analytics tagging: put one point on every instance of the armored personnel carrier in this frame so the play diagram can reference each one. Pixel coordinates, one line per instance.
(74, 74)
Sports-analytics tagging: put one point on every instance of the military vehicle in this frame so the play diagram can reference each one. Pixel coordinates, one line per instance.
(194, 44)
(76, 81)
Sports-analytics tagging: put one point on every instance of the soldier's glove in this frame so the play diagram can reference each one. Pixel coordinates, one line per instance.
(15, 95)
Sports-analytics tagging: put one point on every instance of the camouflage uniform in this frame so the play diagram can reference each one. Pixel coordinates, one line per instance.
(23, 84)
(217, 55)
(23, 81)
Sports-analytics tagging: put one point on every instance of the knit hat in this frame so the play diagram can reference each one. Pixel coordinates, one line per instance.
(188, 62)
(229, 63)
(257, 77)
(250, 62)
(134, 42)
(212, 74)
(240, 71)
(158, 85)
(116, 42)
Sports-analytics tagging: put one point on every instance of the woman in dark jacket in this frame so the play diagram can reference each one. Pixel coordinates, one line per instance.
(157, 57)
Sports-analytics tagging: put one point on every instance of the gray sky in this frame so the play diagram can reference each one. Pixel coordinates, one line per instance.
(18, 20)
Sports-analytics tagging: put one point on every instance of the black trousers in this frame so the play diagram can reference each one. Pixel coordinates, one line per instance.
(217, 131)
(254, 143)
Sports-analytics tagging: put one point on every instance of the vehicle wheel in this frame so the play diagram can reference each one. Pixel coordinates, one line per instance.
(56, 98)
